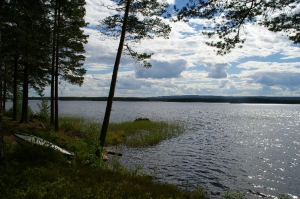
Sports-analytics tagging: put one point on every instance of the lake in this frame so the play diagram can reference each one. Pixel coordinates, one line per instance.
(250, 147)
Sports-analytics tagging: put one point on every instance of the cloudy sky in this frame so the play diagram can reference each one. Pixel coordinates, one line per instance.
(268, 64)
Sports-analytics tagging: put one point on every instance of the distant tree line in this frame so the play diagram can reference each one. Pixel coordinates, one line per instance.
(250, 100)
(196, 98)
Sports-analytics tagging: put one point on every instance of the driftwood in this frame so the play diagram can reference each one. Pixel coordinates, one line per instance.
(106, 152)
(114, 153)
(258, 194)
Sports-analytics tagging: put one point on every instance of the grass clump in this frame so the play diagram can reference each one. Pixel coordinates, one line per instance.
(141, 133)
(233, 194)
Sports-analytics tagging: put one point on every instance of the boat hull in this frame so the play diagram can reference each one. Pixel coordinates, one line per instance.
(23, 139)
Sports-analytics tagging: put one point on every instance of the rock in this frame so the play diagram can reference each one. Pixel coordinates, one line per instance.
(104, 157)
(141, 119)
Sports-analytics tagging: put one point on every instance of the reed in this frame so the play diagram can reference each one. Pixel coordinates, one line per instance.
(133, 134)
(142, 133)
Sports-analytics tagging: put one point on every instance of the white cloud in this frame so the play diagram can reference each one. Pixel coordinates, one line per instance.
(184, 64)
(223, 83)
(290, 80)
(162, 69)
(218, 69)
(271, 66)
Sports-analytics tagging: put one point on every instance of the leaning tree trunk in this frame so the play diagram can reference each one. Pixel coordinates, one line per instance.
(114, 78)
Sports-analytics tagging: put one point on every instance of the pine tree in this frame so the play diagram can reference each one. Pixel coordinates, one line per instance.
(11, 51)
(34, 42)
(230, 16)
(131, 28)
(68, 49)
(30, 34)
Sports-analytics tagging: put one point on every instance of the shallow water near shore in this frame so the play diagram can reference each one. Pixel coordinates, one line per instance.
(250, 147)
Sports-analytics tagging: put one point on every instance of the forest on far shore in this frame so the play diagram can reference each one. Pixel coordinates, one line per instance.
(191, 98)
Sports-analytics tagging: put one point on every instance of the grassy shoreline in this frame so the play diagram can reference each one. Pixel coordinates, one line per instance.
(33, 171)
(39, 172)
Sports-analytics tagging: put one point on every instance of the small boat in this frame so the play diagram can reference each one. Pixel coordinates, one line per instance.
(23, 139)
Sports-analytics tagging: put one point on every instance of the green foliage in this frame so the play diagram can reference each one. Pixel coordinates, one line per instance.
(144, 22)
(118, 167)
(71, 40)
(9, 146)
(287, 24)
(36, 172)
(229, 17)
(9, 112)
(135, 134)
(229, 194)
(28, 30)
(137, 171)
(283, 196)
(37, 155)
(44, 112)
(82, 138)
(199, 192)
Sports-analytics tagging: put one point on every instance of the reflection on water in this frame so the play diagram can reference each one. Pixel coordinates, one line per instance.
(255, 148)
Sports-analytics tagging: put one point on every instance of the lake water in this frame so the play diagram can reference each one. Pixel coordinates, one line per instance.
(250, 147)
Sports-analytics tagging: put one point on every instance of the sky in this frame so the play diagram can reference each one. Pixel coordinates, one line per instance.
(267, 65)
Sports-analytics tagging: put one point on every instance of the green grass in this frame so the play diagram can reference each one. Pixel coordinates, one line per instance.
(133, 134)
(141, 133)
(39, 172)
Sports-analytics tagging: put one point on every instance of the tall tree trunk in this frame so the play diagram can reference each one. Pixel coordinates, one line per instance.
(4, 95)
(56, 72)
(24, 118)
(114, 78)
(15, 89)
(2, 145)
(53, 67)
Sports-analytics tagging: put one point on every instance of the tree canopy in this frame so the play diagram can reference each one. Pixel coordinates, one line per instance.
(29, 31)
(229, 17)
(145, 21)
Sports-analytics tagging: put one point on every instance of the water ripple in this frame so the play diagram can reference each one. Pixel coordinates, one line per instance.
(252, 147)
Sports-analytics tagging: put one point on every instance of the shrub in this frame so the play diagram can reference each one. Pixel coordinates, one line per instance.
(44, 112)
